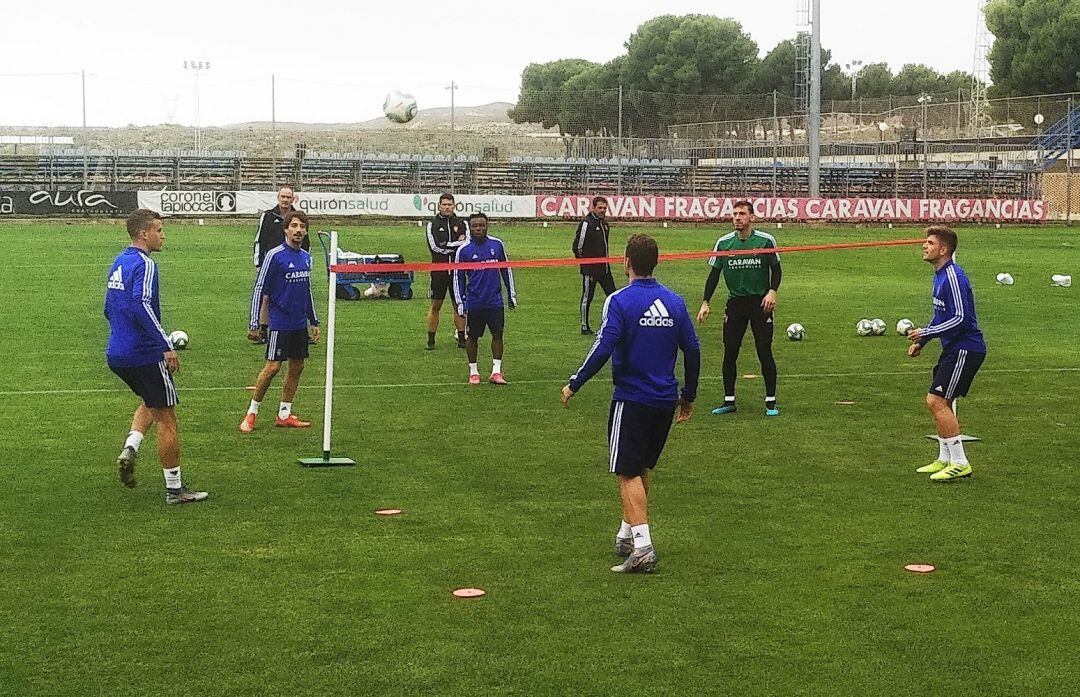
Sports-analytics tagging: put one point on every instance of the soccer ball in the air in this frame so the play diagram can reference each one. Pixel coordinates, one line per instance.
(878, 326)
(796, 332)
(864, 327)
(179, 340)
(904, 326)
(399, 107)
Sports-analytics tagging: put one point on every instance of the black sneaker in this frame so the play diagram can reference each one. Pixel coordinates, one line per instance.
(430, 346)
(585, 331)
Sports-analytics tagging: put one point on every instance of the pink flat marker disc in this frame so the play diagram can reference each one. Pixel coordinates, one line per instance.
(920, 568)
(469, 592)
(388, 511)
(845, 402)
(750, 376)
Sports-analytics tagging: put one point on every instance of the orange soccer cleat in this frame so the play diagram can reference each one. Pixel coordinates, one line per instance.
(291, 421)
(248, 424)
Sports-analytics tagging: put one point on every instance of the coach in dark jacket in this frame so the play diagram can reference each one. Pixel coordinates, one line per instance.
(445, 233)
(591, 241)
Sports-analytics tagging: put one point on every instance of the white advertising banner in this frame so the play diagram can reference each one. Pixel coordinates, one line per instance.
(331, 204)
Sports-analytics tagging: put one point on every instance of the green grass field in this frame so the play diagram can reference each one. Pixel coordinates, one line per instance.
(782, 541)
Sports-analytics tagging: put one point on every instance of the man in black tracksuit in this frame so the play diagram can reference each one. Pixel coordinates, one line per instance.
(591, 241)
(272, 234)
(445, 233)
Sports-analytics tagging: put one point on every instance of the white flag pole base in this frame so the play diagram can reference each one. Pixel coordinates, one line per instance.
(328, 398)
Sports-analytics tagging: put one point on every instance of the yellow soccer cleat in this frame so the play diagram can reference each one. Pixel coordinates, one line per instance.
(935, 466)
(953, 471)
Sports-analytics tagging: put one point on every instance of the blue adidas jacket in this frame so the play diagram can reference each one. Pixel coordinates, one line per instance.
(954, 320)
(482, 290)
(642, 329)
(133, 310)
(285, 276)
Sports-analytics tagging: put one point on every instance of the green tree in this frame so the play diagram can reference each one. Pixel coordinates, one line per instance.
(538, 99)
(692, 54)
(776, 71)
(875, 80)
(915, 78)
(1036, 46)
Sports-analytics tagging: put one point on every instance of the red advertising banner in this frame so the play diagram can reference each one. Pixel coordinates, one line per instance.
(895, 210)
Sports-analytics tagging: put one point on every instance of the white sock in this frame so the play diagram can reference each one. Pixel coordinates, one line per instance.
(496, 365)
(172, 478)
(943, 449)
(473, 370)
(134, 440)
(729, 399)
(641, 536)
(624, 531)
(284, 410)
(254, 407)
(956, 451)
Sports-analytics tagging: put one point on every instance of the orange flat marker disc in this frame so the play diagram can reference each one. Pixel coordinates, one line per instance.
(388, 511)
(920, 568)
(469, 592)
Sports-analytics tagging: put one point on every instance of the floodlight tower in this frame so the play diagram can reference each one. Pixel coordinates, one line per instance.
(197, 67)
(813, 114)
(980, 73)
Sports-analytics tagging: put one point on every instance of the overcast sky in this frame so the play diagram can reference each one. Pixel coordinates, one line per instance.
(335, 60)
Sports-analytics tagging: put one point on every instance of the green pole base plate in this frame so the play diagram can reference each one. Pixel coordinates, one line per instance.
(326, 461)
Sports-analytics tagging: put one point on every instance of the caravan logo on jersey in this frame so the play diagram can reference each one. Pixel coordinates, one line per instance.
(656, 316)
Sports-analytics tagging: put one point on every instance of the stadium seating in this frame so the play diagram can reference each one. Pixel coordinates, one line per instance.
(746, 175)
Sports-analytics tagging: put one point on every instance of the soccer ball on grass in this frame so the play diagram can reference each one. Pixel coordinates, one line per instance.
(878, 326)
(179, 340)
(796, 332)
(904, 326)
(399, 107)
(864, 327)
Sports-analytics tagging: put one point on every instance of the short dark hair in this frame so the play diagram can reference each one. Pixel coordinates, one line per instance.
(446, 197)
(643, 253)
(944, 234)
(140, 220)
(598, 199)
(295, 213)
(743, 204)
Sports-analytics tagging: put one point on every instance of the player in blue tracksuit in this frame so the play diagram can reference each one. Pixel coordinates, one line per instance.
(140, 353)
(285, 281)
(478, 295)
(644, 325)
(962, 351)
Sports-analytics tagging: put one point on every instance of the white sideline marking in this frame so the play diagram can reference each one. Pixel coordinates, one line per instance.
(458, 383)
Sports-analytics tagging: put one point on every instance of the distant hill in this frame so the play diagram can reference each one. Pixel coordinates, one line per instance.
(476, 128)
(484, 117)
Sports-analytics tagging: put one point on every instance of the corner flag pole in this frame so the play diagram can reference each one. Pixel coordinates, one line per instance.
(328, 399)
